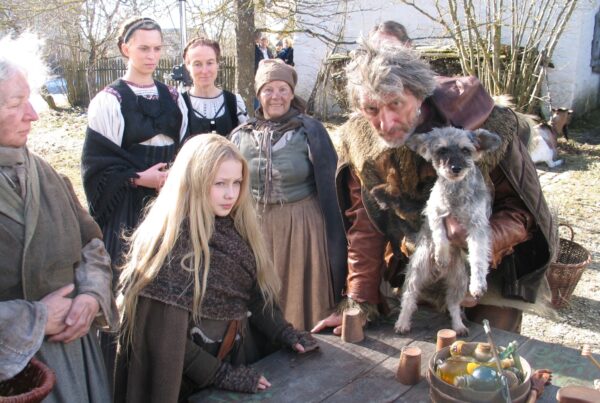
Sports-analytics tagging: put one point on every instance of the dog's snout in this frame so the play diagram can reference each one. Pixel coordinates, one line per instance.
(455, 169)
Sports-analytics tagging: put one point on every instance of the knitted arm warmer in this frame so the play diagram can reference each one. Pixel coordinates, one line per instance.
(237, 379)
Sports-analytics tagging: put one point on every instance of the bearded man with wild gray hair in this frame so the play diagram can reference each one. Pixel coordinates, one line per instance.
(394, 94)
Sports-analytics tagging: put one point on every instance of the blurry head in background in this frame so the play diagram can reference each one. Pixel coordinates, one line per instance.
(257, 36)
(391, 32)
(264, 41)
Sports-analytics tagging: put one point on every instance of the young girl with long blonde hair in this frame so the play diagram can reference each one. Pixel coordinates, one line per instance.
(196, 276)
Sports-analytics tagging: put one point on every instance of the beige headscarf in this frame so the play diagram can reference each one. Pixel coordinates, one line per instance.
(274, 70)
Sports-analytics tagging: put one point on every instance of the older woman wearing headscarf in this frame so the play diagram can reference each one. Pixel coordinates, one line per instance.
(292, 168)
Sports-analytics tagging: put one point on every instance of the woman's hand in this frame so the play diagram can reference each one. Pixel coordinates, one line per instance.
(153, 177)
(299, 348)
(263, 383)
(298, 340)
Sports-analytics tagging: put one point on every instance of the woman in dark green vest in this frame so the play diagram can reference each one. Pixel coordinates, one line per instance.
(292, 167)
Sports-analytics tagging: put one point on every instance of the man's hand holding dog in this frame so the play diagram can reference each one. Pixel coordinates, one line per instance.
(456, 232)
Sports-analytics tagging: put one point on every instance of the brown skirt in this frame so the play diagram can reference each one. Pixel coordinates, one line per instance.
(295, 236)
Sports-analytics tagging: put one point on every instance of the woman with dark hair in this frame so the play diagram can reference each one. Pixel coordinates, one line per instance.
(292, 167)
(210, 109)
(135, 126)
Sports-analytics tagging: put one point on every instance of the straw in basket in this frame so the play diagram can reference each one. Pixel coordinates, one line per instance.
(31, 385)
(565, 272)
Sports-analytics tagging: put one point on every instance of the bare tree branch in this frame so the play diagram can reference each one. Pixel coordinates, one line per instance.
(517, 68)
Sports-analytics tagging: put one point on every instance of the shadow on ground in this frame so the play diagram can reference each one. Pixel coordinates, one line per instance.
(581, 304)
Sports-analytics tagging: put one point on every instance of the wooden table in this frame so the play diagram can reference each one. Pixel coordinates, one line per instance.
(364, 372)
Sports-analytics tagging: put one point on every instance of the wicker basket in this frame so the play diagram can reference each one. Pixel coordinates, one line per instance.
(31, 385)
(565, 272)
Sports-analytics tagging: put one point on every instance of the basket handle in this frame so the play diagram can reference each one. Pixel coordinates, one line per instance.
(564, 224)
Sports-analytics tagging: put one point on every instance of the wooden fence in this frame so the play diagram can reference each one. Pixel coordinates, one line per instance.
(106, 71)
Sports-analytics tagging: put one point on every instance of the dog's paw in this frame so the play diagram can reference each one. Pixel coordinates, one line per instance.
(477, 289)
(402, 327)
(554, 164)
(461, 329)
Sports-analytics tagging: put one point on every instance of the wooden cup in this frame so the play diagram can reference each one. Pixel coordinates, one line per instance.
(577, 394)
(409, 367)
(352, 326)
(445, 337)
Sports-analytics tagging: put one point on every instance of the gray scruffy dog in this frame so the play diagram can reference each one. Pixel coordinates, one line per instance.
(460, 191)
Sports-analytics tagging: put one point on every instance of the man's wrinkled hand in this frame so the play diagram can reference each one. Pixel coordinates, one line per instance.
(57, 305)
(334, 320)
(456, 232)
(79, 319)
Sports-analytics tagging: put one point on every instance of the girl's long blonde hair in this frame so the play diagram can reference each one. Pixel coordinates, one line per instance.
(186, 194)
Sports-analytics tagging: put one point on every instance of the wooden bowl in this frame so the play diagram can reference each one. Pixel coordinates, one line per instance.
(446, 393)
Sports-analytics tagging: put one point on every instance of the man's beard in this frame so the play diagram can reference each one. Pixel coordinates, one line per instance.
(396, 141)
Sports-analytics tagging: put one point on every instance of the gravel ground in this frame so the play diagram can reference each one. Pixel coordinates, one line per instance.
(572, 190)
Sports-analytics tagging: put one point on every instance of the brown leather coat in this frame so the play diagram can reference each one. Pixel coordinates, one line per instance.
(520, 221)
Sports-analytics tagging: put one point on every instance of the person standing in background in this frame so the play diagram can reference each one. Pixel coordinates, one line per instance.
(390, 31)
(292, 167)
(261, 49)
(135, 127)
(287, 53)
(210, 109)
(278, 50)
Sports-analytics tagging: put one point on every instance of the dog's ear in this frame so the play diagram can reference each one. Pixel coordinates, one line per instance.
(485, 141)
(418, 142)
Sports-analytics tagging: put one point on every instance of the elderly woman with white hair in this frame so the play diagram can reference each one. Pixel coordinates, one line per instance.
(55, 278)
(292, 167)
